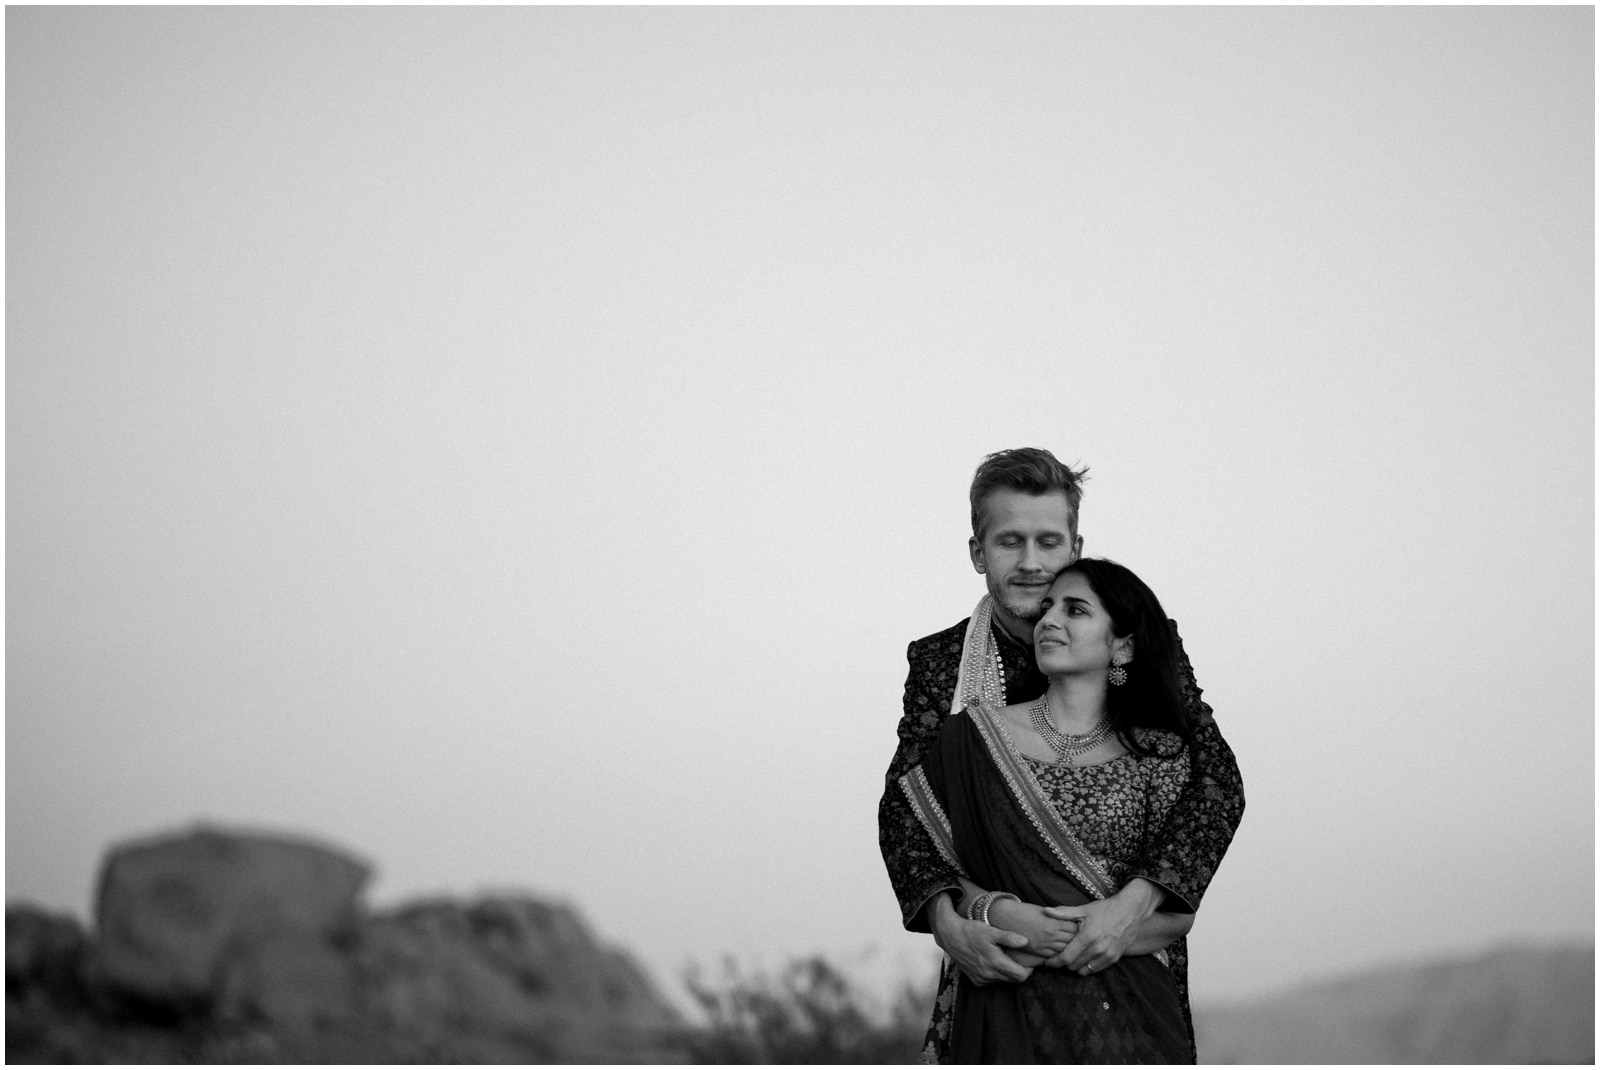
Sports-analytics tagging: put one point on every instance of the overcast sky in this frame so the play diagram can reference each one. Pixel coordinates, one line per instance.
(517, 445)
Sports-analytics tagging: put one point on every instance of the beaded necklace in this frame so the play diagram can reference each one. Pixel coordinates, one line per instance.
(1067, 747)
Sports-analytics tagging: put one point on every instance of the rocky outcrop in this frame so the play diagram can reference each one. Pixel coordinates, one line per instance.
(509, 977)
(244, 924)
(44, 951)
(216, 946)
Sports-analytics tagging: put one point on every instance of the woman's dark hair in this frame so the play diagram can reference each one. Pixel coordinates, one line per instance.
(1151, 698)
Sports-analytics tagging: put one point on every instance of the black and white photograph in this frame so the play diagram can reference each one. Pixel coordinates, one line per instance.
(813, 534)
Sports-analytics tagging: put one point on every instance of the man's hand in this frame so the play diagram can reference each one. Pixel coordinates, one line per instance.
(979, 949)
(1105, 927)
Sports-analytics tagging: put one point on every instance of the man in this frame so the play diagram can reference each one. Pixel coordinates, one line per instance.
(1024, 531)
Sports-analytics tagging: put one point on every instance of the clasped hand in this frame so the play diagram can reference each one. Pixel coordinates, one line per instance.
(1085, 939)
(1104, 930)
(1048, 935)
(1023, 936)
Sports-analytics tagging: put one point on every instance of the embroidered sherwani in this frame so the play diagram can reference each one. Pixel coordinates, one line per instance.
(1181, 857)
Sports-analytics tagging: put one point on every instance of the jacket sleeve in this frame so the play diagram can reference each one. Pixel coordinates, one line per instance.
(1183, 854)
(916, 869)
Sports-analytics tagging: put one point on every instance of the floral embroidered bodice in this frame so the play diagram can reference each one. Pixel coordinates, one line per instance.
(1113, 808)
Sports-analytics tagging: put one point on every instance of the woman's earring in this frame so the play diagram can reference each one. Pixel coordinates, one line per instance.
(1117, 675)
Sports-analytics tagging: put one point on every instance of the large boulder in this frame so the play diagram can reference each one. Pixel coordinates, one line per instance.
(217, 946)
(511, 979)
(233, 923)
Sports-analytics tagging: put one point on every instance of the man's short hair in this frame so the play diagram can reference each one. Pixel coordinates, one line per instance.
(1030, 470)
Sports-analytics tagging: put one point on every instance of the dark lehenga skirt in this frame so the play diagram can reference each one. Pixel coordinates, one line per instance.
(987, 811)
(1056, 1016)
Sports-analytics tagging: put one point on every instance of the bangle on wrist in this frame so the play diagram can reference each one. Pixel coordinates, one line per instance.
(995, 897)
(979, 910)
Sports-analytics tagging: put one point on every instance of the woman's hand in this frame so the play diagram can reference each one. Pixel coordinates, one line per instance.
(1046, 935)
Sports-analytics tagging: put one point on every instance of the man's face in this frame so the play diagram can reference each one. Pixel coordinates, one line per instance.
(1027, 539)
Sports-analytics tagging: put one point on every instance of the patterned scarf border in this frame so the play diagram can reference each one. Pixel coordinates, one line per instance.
(926, 806)
(978, 679)
(1083, 866)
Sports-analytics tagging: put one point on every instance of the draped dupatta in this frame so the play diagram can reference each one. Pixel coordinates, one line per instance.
(988, 814)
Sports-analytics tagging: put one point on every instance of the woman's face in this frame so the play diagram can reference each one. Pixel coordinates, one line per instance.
(1075, 633)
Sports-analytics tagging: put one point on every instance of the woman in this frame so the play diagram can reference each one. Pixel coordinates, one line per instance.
(1039, 804)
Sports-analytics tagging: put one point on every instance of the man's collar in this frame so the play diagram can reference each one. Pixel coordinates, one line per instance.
(1007, 638)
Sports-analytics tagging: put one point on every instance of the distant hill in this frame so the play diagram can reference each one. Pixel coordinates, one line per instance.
(1509, 1006)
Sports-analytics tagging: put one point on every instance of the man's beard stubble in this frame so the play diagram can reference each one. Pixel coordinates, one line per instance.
(1027, 612)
